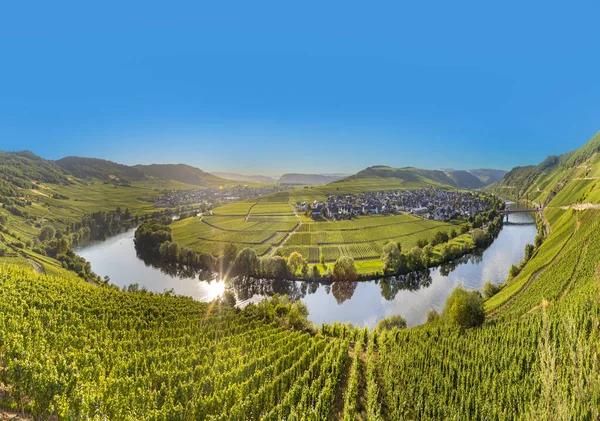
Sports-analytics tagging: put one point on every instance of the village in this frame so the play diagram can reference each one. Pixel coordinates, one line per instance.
(210, 196)
(437, 204)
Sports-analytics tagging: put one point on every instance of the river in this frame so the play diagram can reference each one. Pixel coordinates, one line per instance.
(361, 303)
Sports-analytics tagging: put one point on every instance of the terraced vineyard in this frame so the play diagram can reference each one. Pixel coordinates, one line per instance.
(71, 350)
(361, 238)
(269, 222)
(78, 351)
(260, 224)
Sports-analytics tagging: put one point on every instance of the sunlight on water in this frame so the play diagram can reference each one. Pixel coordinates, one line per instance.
(363, 303)
(210, 290)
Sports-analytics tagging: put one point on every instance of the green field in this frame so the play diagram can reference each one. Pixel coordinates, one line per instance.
(260, 224)
(269, 222)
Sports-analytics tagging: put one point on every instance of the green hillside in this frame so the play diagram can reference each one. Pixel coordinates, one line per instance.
(464, 179)
(387, 178)
(71, 350)
(381, 177)
(182, 173)
(572, 177)
(93, 168)
(488, 176)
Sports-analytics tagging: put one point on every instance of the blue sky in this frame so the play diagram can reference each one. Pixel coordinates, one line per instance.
(272, 87)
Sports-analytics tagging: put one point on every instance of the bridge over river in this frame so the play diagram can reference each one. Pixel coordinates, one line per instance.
(507, 212)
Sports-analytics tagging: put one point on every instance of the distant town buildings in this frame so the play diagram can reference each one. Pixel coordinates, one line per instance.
(437, 204)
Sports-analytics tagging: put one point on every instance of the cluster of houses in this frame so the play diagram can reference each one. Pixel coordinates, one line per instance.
(210, 196)
(437, 204)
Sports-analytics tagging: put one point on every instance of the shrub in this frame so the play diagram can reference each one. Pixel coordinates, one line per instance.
(489, 289)
(432, 316)
(393, 322)
(464, 308)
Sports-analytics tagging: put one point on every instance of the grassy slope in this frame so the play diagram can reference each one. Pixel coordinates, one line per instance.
(184, 174)
(33, 180)
(535, 360)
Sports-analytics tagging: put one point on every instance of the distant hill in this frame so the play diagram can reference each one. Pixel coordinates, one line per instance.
(488, 176)
(88, 168)
(21, 169)
(464, 179)
(295, 178)
(383, 177)
(246, 178)
(183, 173)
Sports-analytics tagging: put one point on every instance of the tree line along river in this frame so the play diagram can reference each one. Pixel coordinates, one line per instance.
(362, 303)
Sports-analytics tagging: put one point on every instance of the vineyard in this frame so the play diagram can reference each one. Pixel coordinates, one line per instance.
(76, 351)
(261, 224)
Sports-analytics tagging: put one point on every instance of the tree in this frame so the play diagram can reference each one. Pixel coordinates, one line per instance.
(391, 257)
(489, 289)
(432, 316)
(449, 251)
(344, 270)
(427, 255)
(47, 233)
(538, 240)
(422, 242)
(479, 237)
(464, 308)
(529, 248)
(229, 254)
(393, 322)
(295, 262)
(3, 219)
(247, 262)
(440, 237)
(415, 258)
(514, 271)
(453, 233)
(322, 259)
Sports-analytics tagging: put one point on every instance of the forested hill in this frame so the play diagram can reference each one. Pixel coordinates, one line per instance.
(24, 167)
(89, 168)
(183, 173)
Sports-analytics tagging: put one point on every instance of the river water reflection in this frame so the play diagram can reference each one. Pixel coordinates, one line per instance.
(362, 303)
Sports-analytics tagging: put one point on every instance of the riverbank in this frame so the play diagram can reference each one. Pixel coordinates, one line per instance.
(362, 303)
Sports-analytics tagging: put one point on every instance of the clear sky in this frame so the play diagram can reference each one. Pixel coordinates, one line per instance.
(273, 87)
